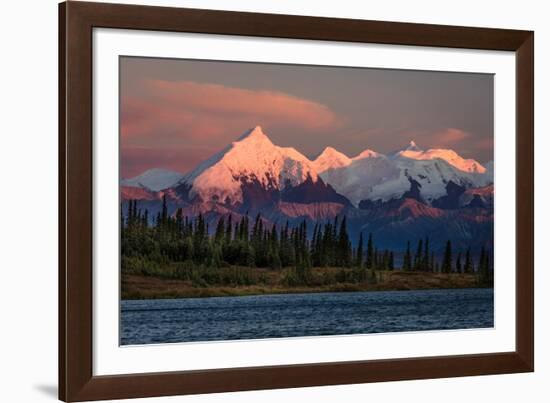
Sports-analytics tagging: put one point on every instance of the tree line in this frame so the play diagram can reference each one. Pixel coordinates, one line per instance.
(147, 248)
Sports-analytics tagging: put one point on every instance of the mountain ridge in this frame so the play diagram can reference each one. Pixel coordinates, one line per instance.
(395, 196)
(253, 160)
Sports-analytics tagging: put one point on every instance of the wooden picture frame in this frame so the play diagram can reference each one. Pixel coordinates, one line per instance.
(76, 379)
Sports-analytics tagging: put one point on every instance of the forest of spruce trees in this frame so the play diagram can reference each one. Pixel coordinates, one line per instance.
(181, 247)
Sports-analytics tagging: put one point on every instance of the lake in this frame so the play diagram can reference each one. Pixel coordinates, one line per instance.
(292, 315)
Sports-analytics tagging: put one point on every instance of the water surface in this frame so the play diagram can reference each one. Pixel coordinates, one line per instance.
(292, 315)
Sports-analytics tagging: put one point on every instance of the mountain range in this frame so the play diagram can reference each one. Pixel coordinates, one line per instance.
(407, 194)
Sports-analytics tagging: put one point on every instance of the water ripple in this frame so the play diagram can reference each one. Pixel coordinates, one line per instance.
(293, 315)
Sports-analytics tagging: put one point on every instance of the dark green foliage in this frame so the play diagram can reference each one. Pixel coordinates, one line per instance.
(175, 246)
(458, 267)
(468, 268)
(447, 264)
(370, 253)
(153, 249)
(484, 271)
(359, 252)
(423, 258)
(344, 254)
(481, 264)
(418, 257)
(390, 261)
(425, 265)
(407, 266)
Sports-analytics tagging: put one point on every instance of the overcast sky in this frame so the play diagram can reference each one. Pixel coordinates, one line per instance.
(176, 113)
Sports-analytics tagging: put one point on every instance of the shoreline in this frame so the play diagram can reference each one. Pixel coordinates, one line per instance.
(139, 287)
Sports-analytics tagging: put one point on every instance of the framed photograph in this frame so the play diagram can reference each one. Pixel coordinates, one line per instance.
(253, 201)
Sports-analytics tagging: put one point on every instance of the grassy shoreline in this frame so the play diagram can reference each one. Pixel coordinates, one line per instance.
(136, 287)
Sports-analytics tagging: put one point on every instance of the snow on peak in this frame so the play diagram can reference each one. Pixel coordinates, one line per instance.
(254, 134)
(330, 158)
(450, 156)
(253, 158)
(330, 151)
(154, 179)
(367, 154)
(412, 146)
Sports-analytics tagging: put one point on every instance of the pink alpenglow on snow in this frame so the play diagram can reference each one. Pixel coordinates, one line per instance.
(331, 159)
(466, 165)
(253, 157)
(254, 160)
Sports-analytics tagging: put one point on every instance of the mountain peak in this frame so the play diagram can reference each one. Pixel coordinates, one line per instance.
(331, 151)
(254, 140)
(250, 162)
(366, 154)
(331, 158)
(412, 146)
(154, 179)
(447, 155)
(253, 133)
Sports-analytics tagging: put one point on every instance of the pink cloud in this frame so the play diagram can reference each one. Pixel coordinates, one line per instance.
(449, 137)
(172, 112)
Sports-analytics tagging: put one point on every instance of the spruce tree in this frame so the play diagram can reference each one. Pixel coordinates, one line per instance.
(344, 245)
(134, 212)
(485, 276)
(390, 261)
(458, 266)
(179, 221)
(228, 229)
(313, 251)
(418, 256)
(407, 258)
(447, 264)
(426, 257)
(370, 252)
(318, 247)
(286, 251)
(481, 265)
(468, 262)
(385, 260)
(164, 215)
(359, 253)
(220, 231)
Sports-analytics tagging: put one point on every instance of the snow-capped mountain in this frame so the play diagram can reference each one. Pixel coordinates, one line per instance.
(330, 159)
(374, 176)
(154, 179)
(450, 156)
(398, 196)
(366, 154)
(251, 160)
(255, 169)
(412, 147)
